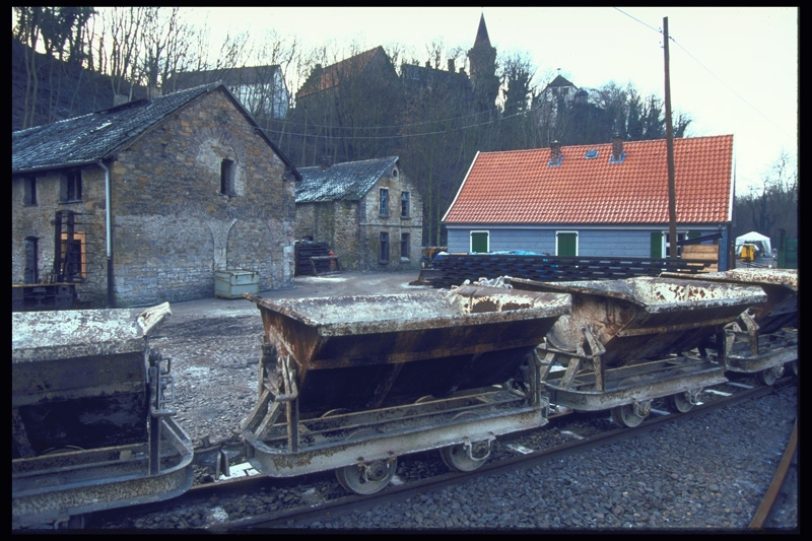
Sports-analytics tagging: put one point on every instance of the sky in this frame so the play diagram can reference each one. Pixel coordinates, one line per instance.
(732, 69)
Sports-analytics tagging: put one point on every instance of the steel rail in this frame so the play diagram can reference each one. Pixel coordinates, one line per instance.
(292, 516)
(766, 505)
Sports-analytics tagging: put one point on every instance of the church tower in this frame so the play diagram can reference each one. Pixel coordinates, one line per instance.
(482, 63)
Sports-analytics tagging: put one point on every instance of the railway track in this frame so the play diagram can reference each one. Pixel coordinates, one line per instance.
(258, 502)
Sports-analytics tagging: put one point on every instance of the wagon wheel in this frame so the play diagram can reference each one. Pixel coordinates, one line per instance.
(58, 450)
(334, 412)
(630, 415)
(466, 456)
(368, 477)
(683, 402)
(771, 375)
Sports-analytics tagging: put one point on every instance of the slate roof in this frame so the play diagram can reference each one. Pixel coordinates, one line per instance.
(89, 138)
(331, 75)
(482, 33)
(348, 181)
(559, 80)
(247, 75)
(520, 187)
(423, 76)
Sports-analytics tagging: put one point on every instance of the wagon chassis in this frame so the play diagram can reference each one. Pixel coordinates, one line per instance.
(765, 354)
(580, 379)
(463, 425)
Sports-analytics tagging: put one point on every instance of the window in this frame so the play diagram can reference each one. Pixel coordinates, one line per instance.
(566, 243)
(227, 178)
(404, 204)
(71, 186)
(480, 242)
(383, 257)
(30, 197)
(31, 272)
(384, 205)
(404, 246)
(74, 262)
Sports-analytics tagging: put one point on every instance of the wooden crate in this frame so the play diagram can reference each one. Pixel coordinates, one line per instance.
(703, 252)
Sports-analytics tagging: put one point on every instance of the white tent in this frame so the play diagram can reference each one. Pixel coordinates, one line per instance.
(762, 242)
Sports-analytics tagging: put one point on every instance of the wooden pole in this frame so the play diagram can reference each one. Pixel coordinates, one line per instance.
(669, 142)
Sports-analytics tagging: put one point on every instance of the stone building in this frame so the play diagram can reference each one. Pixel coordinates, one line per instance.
(367, 211)
(143, 202)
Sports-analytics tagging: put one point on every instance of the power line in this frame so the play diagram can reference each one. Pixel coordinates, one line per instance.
(706, 68)
(657, 30)
(398, 136)
(398, 126)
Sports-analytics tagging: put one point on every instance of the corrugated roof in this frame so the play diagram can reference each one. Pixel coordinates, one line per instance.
(349, 181)
(520, 187)
(88, 138)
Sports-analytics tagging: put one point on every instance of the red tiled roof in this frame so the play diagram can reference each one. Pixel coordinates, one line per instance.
(333, 74)
(519, 187)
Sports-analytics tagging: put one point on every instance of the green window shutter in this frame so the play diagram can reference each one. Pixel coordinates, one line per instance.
(479, 242)
(567, 244)
(694, 234)
(656, 245)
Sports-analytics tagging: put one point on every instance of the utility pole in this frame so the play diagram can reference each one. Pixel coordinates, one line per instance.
(669, 143)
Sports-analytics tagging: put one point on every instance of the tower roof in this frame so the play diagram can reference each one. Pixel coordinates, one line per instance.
(482, 33)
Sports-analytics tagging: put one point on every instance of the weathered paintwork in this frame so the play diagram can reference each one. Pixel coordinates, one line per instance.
(644, 318)
(365, 351)
(780, 285)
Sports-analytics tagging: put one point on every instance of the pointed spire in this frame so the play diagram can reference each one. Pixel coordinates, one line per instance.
(482, 33)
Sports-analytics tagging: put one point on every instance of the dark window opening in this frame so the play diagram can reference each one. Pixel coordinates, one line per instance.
(384, 204)
(404, 204)
(74, 260)
(31, 273)
(71, 187)
(404, 246)
(227, 178)
(383, 257)
(30, 191)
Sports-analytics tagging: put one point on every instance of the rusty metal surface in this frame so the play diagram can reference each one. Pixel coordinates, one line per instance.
(360, 351)
(780, 285)
(754, 276)
(644, 318)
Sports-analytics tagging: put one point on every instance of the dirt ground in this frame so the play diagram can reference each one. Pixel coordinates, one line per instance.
(214, 345)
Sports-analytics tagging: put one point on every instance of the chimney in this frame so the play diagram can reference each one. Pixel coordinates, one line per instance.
(555, 152)
(451, 65)
(462, 71)
(617, 148)
(428, 64)
(316, 69)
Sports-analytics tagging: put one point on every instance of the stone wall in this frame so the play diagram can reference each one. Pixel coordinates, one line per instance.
(394, 224)
(172, 228)
(169, 183)
(38, 221)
